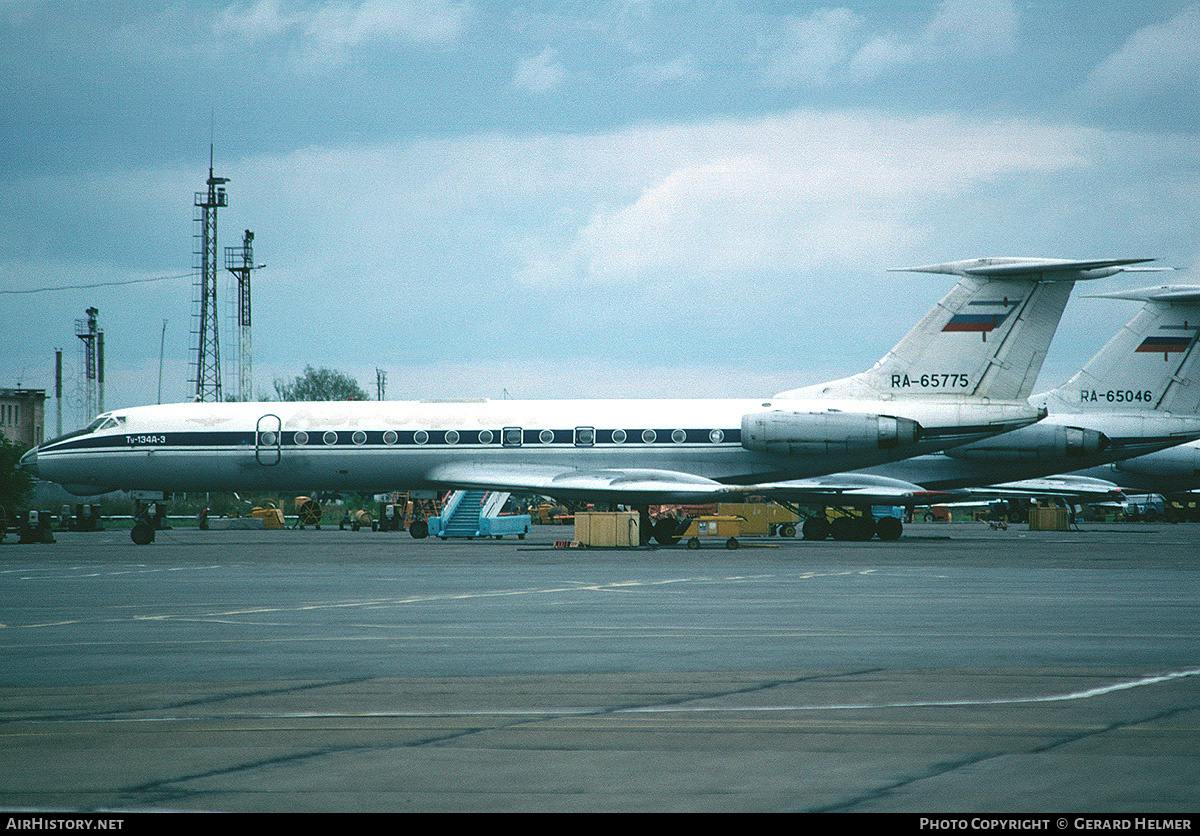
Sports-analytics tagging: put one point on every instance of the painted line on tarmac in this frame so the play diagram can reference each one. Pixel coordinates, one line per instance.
(1073, 695)
(560, 589)
(1086, 694)
(30, 573)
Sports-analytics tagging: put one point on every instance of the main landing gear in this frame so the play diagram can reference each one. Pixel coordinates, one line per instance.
(852, 527)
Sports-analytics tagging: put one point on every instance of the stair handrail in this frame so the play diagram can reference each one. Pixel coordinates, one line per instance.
(493, 503)
(453, 498)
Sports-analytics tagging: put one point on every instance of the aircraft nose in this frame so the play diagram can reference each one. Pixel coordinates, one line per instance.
(29, 461)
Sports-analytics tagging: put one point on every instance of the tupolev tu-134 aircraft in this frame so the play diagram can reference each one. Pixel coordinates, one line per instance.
(963, 373)
(1137, 395)
(1165, 337)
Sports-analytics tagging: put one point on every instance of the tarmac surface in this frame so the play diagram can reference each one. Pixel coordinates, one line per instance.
(957, 670)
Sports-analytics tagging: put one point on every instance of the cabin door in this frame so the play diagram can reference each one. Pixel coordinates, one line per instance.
(268, 440)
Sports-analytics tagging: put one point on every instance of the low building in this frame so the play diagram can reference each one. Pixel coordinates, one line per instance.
(22, 416)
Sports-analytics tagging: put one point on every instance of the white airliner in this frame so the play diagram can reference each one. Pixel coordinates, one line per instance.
(1162, 338)
(962, 374)
(1140, 393)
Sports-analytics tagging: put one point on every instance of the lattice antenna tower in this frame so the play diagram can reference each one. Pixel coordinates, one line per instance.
(240, 262)
(91, 360)
(208, 351)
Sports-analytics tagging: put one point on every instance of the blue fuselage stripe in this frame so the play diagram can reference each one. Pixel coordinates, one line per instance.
(386, 439)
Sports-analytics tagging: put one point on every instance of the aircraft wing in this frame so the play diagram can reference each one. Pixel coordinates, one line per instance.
(856, 489)
(1065, 485)
(614, 484)
(645, 486)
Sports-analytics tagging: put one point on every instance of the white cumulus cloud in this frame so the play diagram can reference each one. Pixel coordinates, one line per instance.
(1162, 57)
(832, 45)
(789, 193)
(328, 31)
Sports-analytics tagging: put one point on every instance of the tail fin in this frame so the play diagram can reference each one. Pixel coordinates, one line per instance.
(987, 338)
(1151, 363)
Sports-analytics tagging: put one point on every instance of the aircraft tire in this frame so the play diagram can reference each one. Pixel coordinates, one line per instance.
(864, 528)
(142, 534)
(815, 528)
(664, 532)
(889, 528)
(842, 528)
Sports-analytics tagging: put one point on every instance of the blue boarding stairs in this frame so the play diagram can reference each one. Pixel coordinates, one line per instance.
(472, 514)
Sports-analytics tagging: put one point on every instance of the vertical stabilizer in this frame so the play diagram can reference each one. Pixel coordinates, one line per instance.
(1151, 363)
(987, 338)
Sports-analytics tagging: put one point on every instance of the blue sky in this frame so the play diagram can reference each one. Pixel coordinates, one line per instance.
(578, 199)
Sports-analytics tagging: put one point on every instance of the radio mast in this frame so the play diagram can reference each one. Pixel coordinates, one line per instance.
(240, 262)
(208, 351)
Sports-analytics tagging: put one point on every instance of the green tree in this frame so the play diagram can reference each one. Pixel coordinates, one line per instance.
(16, 486)
(320, 385)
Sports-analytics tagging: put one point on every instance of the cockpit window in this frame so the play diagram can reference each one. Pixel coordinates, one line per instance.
(105, 422)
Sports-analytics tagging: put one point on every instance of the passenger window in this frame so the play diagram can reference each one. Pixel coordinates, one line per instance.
(585, 436)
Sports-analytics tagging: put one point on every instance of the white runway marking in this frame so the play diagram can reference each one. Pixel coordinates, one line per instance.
(1086, 694)
(1073, 695)
(32, 573)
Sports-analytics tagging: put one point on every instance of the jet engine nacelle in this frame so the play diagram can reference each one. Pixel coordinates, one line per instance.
(1179, 462)
(1034, 443)
(806, 433)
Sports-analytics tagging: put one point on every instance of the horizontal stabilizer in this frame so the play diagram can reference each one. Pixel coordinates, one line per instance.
(1042, 269)
(1173, 294)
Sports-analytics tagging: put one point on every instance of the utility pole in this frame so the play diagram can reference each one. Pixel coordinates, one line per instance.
(58, 390)
(162, 345)
(100, 370)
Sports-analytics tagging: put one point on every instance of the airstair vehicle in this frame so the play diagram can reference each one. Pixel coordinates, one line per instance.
(474, 514)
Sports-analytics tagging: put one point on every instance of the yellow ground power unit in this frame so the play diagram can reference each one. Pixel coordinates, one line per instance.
(717, 526)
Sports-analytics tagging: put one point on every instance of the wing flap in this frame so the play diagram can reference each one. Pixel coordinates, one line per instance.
(1063, 485)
